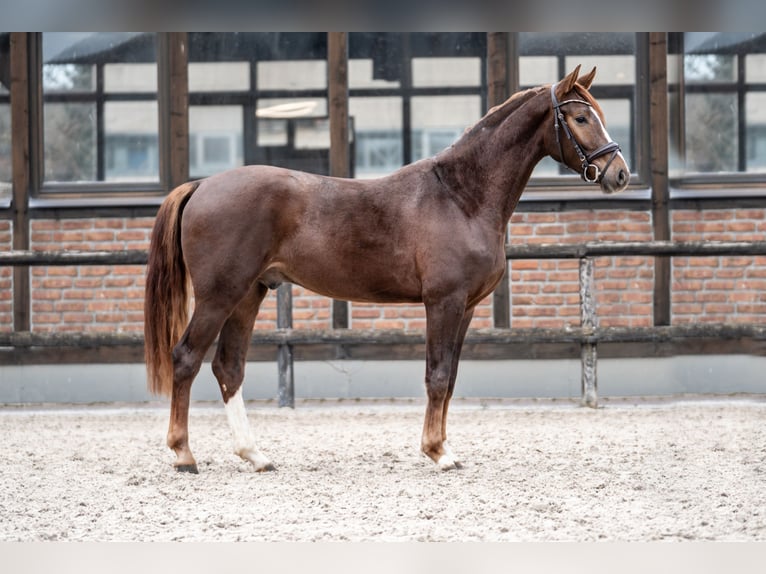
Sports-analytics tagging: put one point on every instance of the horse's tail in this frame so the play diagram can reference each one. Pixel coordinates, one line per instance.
(166, 300)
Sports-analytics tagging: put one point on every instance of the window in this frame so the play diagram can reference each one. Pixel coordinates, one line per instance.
(100, 113)
(546, 58)
(257, 98)
(717, 106)
(412, 95)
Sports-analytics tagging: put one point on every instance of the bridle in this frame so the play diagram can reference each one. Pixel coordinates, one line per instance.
(590, 171)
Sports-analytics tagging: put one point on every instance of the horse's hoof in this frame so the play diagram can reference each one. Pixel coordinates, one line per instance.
(446, 462)
(268, 468)
(190, 468)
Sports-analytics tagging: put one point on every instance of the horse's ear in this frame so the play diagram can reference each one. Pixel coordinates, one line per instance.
(587, 80)
(567, 84)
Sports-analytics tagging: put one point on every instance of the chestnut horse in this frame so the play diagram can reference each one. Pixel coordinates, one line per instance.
(432, 232)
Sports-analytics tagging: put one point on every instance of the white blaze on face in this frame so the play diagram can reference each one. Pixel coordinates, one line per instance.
(604, 133)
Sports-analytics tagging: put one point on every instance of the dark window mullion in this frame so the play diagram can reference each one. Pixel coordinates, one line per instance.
(741, 114)
(100, 131)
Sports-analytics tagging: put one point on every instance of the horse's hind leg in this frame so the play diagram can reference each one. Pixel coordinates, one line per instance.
(187, 358)
(229, 369)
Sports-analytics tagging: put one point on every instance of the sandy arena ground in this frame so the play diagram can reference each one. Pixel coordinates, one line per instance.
(534, 470)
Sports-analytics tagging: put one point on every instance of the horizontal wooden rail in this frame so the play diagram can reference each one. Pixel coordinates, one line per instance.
(528, 251)
(284, 338)
(128, 257)
(634, 248)
(308, 337)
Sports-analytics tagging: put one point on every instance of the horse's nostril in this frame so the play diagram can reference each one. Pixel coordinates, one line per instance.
(621, 178)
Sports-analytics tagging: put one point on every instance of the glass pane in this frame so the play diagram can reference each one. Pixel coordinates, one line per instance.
(377, 125)
(538, 70)
(5, 151)
(755, 111)
(70, 142)
(711, 132)
(312, 134)
(710, 68)
(361, 74)
(437, 121)
(611, 70)
(215, 139)
(272, 132)
(292, 75)
(130, 136)
(100, 118)
(427, 72)
(68, 78)
(755, 68)
(126, 78)
(219, 76)
(619, 118)
(374, 60)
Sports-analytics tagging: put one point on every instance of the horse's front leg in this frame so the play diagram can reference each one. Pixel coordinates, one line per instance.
(443, 334)
(453, 378)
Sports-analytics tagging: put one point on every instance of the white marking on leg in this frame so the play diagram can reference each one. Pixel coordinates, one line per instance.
(448, 460)
(244, 441)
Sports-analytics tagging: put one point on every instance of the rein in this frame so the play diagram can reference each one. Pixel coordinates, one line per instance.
(590, 171)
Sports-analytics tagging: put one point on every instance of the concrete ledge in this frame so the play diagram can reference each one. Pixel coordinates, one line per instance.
(350, 379)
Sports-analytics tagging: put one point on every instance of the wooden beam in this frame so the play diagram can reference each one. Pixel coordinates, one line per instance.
(498, 90)
(20, 99)
(658, 121)
(173, 102)
(340, 162)
(334, 344)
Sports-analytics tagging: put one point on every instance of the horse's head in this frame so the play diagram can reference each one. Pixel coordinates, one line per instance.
(579, 138)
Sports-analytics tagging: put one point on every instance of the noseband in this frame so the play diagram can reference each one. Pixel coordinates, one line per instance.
(590, 171)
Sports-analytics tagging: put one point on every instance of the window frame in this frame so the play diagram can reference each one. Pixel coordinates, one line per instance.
(570, 186)
(693, 185)
(557, 188)
(54, 194)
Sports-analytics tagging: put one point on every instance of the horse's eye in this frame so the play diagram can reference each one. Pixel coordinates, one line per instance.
(580, 119)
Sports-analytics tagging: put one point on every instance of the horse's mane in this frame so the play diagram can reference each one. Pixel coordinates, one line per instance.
(496, 115)
(450, 172)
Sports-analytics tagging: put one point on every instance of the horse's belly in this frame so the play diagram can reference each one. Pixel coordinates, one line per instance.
(356, 282)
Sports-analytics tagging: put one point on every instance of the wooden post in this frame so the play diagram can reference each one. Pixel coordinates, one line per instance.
(173, 102)
(340, 162)
(589, 322)
(498, 90)
(20, 99)
(285, 350)
(658, 111)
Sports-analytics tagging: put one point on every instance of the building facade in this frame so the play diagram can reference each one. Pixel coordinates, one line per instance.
(95, 129)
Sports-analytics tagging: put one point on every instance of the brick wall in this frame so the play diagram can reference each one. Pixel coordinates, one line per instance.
(90, 297)
(6, 279)
(719, 289)
(546, 292)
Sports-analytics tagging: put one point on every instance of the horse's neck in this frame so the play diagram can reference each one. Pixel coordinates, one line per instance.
(488, 168)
